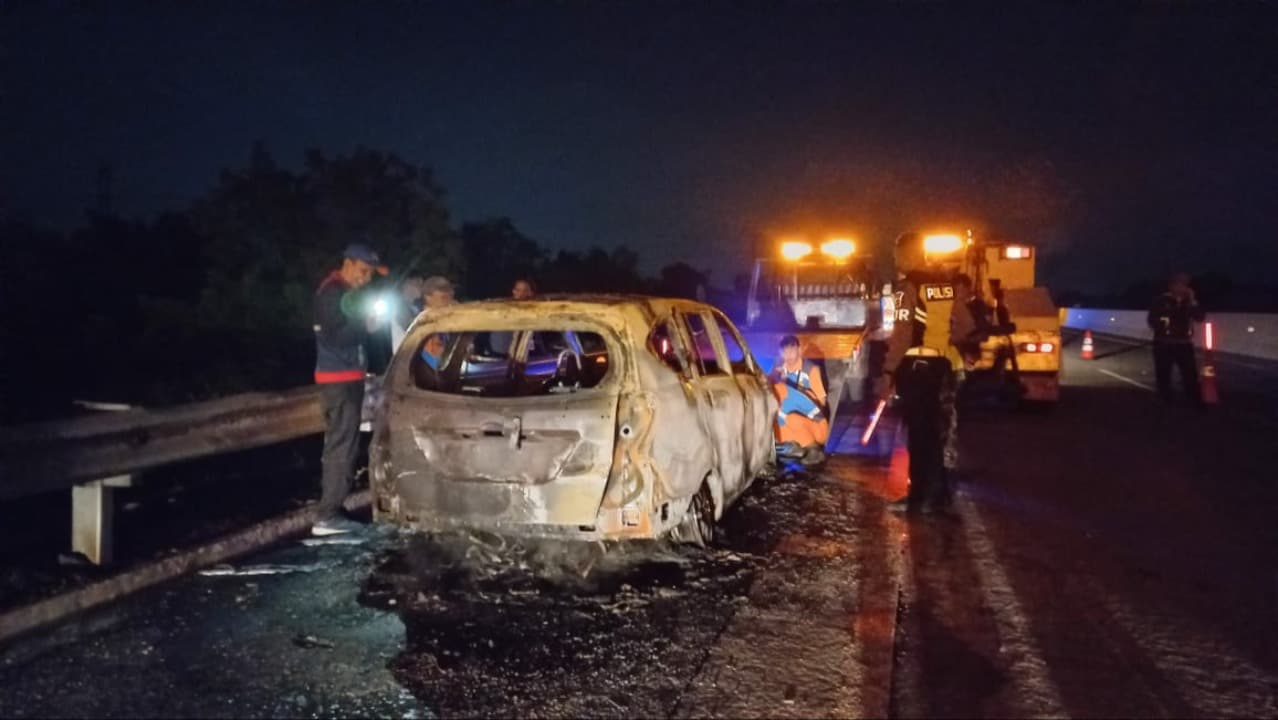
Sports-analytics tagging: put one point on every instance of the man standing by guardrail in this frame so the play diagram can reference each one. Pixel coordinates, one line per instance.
(341, 329)
(1172, 319)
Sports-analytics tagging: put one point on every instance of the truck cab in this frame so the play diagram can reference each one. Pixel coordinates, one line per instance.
(1022, 352)
(827, 295)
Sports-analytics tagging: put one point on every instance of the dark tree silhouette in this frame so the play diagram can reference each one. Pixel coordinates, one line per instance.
(272, 234)
(682, 280)
(496, 255)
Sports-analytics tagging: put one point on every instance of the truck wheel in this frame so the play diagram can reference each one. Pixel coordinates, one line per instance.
(698, 527)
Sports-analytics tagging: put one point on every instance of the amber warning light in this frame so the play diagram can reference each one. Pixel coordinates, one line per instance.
(941, 244)
(794, 250)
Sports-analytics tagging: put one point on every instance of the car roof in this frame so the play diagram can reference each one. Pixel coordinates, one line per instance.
(617, 310)
(568, 302)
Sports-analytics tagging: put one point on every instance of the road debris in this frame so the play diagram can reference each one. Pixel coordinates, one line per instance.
(311, 642)
(334, 540)
(265, 569)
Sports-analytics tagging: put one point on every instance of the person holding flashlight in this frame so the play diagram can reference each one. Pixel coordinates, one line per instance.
(342, 326)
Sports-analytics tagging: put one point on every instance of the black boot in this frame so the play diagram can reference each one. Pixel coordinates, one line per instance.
(813, 457)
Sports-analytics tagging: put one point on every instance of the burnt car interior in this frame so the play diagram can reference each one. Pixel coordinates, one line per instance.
(664, 343)
(510, 363)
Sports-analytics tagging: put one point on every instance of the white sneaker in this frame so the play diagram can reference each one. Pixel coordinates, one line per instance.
(334, 526)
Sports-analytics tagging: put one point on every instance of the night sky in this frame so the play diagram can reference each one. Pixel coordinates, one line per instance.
(687, 130)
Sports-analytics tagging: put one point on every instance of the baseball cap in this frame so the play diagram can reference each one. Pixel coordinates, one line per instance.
(360, 251)
(437, 283)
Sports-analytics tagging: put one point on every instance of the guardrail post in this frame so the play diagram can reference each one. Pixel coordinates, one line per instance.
(93, 507)
(93, 518)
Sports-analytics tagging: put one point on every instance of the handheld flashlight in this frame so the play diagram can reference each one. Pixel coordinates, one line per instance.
(380, 308)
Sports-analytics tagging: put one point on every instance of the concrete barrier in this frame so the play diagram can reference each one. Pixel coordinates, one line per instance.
(1249, 335)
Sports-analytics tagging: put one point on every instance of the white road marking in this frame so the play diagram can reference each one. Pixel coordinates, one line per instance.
(1027, 669)
(1254, 417)
(1209, 673)
(1125, 379)
(1220, 357)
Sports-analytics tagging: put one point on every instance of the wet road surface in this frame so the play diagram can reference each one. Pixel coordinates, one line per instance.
(1112, 557)
(402, 625)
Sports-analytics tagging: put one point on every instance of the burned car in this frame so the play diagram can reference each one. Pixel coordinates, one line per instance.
(576, 417)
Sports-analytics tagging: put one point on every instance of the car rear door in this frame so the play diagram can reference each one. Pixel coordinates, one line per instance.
(474, 459)
(756, 396)
(723, 399)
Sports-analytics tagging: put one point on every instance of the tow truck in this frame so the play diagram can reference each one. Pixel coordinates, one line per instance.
(827, 294)
(1022, 355)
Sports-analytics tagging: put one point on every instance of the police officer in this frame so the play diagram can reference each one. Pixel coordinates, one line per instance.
(917, 368)
(1172, 319)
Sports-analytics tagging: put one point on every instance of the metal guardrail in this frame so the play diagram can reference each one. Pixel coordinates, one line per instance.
(94, 455)
(58, 455)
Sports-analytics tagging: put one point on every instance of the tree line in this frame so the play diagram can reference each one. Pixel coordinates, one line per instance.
(216, 299)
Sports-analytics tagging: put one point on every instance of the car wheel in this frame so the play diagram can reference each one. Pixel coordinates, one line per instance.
(698, 527)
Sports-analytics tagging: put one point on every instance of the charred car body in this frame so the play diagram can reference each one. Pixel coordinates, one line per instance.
(578, 417)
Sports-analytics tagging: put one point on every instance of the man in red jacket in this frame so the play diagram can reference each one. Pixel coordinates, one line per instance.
(341, 329)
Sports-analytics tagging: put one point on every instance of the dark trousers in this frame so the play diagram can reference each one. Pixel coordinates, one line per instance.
(1181, 357)
(343, 403)
(921, 382)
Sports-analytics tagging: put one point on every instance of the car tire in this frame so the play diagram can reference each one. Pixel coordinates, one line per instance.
(698, 527)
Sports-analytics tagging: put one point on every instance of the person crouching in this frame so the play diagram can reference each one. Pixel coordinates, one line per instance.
(802, 427)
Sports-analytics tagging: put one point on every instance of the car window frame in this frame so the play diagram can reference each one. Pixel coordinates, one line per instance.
(403, 380)
(748, 365)
(720, 354)
(686, 371)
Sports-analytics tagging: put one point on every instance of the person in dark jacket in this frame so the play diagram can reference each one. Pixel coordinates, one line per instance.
(1172, 319)
(407, 306)
(342, 327)
(917, 370)
(969, 320)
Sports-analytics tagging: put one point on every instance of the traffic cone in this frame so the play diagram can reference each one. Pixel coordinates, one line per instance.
(1207, 383)
(1089, 350)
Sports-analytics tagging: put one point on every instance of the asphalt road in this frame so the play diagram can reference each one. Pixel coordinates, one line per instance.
(1114, 557)
(1111, 557)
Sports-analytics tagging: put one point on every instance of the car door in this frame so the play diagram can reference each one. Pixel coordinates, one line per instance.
(760, 404)
(723, 401)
